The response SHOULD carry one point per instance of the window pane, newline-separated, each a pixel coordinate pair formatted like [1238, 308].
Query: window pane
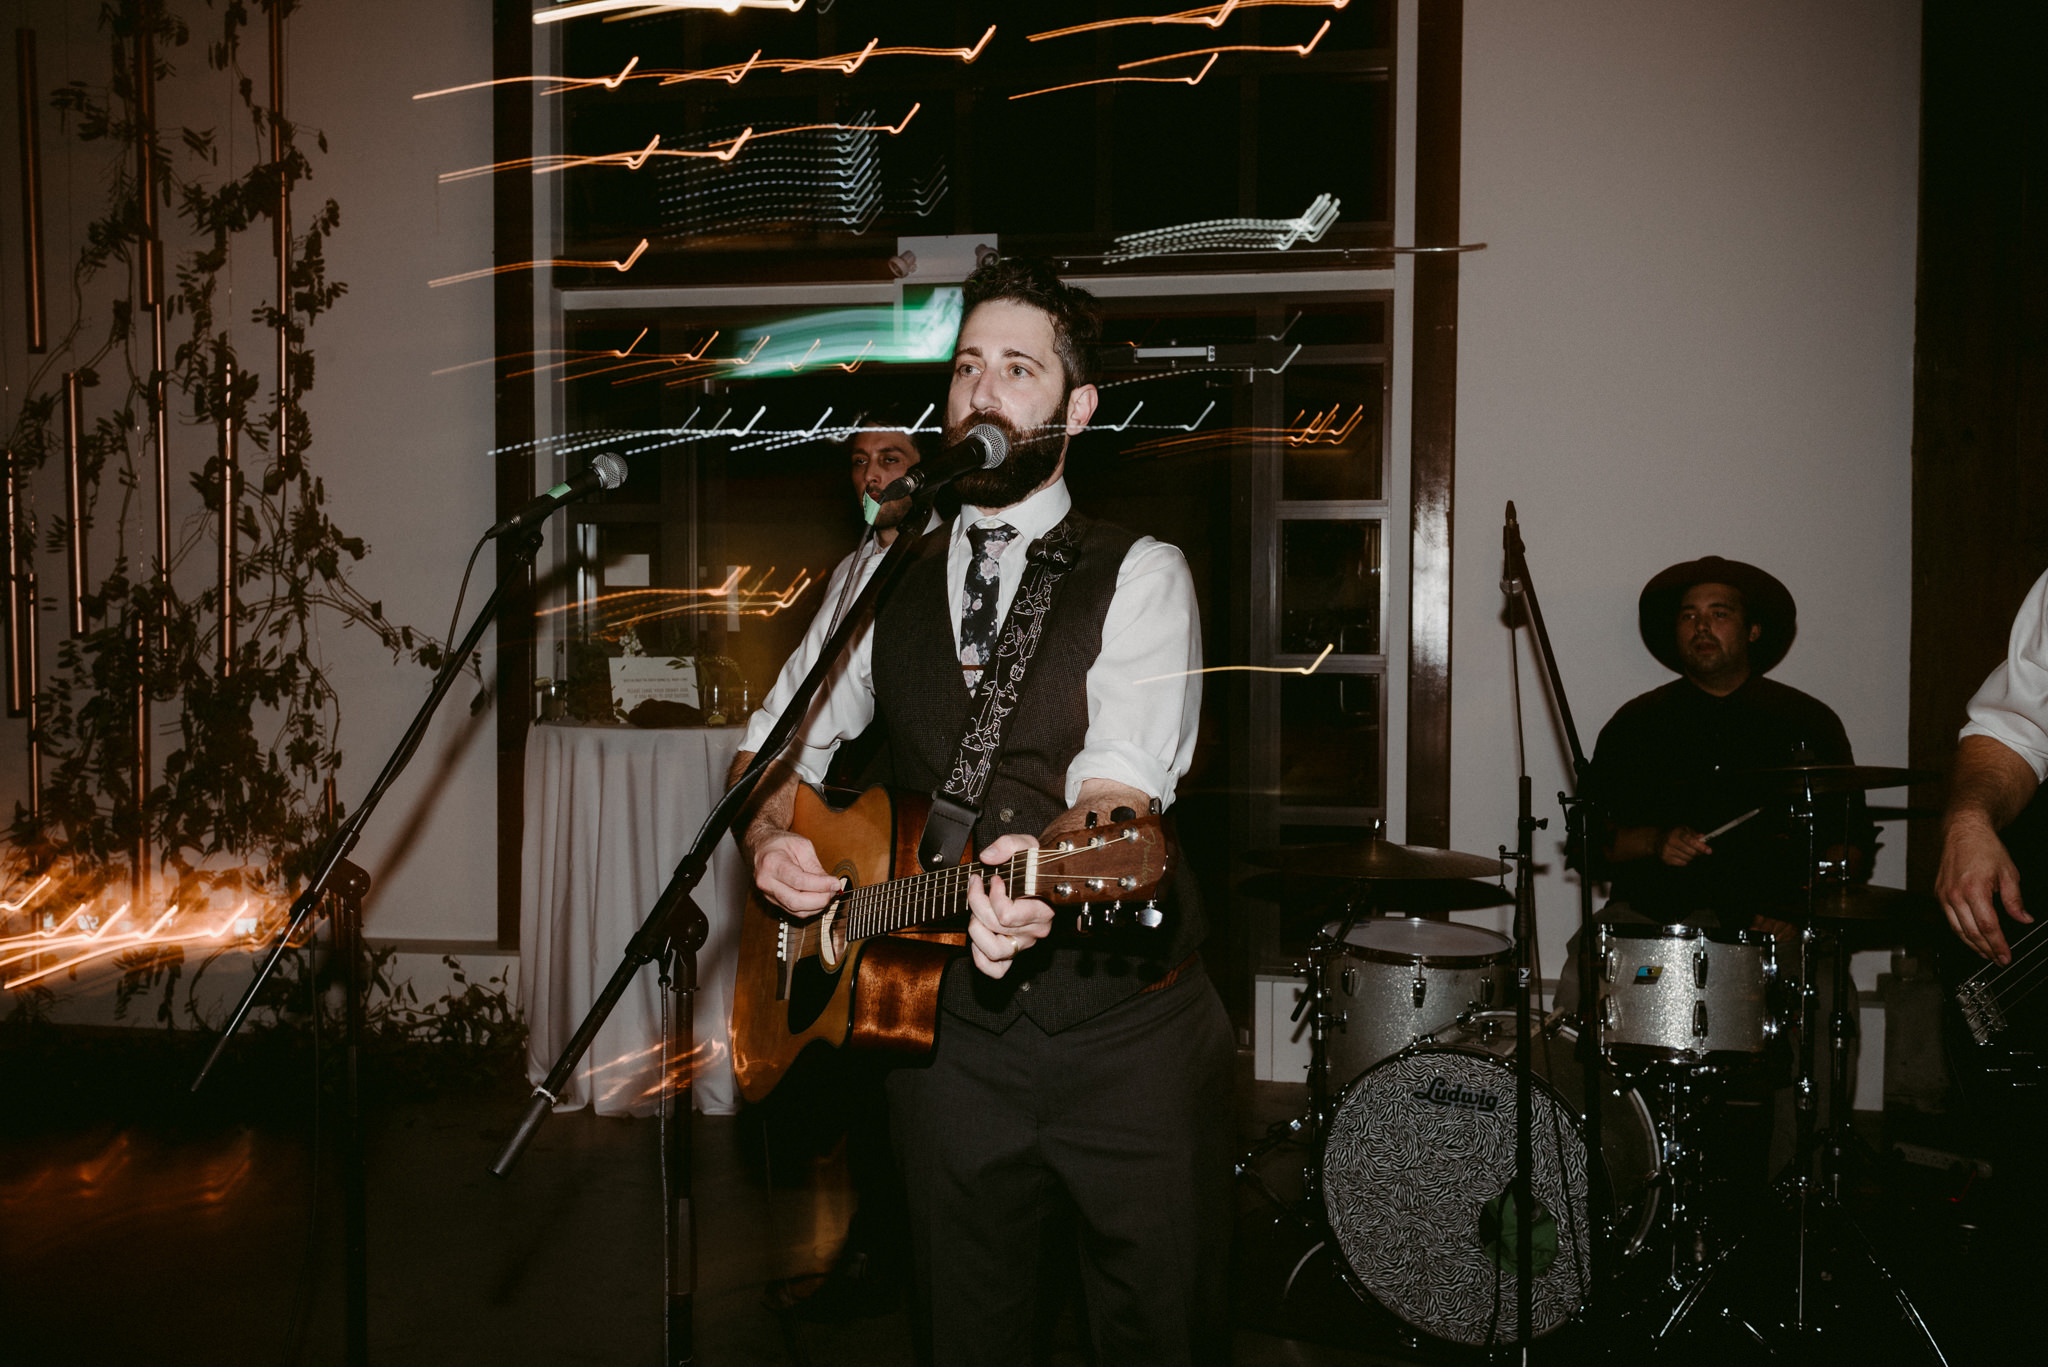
[1331, 449]
[1330, 740]
[1329, 587]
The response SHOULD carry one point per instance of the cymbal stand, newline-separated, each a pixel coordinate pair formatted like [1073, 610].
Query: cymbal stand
[1313, 1123]
[1823, 1230]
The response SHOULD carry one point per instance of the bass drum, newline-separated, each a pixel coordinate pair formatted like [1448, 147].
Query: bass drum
[1417, 1168]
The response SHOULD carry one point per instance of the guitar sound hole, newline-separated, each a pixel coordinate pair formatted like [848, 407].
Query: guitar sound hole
[810, 992]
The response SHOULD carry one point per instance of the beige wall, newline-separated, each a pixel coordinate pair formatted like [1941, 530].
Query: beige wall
[1691, 333]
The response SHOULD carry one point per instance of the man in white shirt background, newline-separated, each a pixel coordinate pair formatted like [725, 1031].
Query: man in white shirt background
[841, 1092]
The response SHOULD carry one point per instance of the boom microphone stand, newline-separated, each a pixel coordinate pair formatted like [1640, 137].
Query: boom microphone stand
[349, 885]
[676, 926]
[1580, 823]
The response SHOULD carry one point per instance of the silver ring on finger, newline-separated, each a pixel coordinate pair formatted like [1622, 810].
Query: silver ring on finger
[1015, 945]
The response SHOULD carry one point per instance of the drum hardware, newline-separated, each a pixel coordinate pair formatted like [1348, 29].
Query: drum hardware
[1824, 1236]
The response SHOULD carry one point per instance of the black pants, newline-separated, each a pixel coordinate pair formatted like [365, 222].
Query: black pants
[1128, 1115]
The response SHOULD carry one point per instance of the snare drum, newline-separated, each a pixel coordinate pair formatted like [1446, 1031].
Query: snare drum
[1394, 981]
[1680, 992]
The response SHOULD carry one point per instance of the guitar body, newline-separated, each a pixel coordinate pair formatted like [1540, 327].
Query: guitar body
[884, 993]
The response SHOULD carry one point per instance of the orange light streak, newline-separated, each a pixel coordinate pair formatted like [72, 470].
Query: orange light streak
[1209, 16]
[620, 266]
[636, 9]
[26, 897]
[1303, 670]
[1298, 49]
[1320, 430]
[103, 943]
[1195, 79]
[634, 160]
[707, 1054]
[846, 63]
[561, 83]
[625, 608]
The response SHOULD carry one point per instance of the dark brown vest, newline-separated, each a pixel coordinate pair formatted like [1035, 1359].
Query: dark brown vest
[921, 697]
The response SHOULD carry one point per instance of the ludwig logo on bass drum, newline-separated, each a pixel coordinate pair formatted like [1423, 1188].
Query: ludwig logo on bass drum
[1442, 1093]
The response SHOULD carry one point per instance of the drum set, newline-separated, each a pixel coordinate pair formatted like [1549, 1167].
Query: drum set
[1411, 1120]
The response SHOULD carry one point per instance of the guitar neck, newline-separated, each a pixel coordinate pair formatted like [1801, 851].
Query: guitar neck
[922, 898]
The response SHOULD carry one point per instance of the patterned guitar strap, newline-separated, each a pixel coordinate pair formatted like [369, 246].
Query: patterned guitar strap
[956, 806]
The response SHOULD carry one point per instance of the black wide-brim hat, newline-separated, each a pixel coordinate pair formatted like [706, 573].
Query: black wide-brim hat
[1767, 602]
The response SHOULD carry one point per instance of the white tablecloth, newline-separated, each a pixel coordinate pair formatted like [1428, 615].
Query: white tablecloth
[610, 811]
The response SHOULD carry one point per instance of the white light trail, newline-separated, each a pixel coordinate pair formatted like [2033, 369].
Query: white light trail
[1222, 234]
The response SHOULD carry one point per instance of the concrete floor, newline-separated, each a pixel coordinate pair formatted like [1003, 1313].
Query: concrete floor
[162, 1233]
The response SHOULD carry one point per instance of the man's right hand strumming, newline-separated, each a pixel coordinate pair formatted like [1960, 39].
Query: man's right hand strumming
[787, 871]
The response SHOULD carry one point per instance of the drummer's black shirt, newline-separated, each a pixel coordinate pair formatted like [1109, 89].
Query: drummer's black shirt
[1662, 762]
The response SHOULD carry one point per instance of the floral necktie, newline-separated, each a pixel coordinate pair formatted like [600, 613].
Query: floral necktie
[978, 598]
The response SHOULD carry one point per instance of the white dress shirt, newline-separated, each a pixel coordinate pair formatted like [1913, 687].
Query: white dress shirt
[1144, 689]
[2012, 706]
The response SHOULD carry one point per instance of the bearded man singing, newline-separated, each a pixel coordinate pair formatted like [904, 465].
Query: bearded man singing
[1063, 1074]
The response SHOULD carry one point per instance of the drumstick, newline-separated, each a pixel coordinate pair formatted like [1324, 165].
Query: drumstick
[1724, 829]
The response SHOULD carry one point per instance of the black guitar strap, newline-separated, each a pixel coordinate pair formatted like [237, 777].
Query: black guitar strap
[956, 806]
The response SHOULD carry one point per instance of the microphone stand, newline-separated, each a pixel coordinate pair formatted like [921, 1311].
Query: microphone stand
[350, 886]
[675, 928]
[1581, 813]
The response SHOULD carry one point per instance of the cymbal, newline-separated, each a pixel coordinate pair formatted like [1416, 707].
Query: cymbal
[1376, 858]
[1314, 895]
[1794, 779]
[1877, 813]
[1863, 902]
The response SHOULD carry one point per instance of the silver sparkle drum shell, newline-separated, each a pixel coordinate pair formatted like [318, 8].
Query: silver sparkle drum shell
[1683, 993]
[1394, 981]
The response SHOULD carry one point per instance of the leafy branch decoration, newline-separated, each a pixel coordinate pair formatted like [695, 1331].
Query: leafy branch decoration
[238, 803]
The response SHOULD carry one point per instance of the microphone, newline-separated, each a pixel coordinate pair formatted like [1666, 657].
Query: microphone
[983, 448]
[606, 471]
[1511, 551]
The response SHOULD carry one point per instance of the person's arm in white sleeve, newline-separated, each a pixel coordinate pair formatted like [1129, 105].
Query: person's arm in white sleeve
[1145, 687]
[2000, 762]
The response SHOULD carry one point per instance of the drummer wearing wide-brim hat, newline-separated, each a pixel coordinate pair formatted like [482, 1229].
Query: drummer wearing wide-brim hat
[1661, 768]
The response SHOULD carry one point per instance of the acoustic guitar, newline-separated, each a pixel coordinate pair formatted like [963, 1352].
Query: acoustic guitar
[865, 972]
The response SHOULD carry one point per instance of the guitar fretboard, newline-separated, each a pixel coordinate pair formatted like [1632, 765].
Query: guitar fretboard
[919, 899]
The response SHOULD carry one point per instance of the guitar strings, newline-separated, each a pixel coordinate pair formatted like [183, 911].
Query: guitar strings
[2027, 971]
[925, 896]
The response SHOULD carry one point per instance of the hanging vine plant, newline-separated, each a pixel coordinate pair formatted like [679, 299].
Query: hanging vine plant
[233, 672]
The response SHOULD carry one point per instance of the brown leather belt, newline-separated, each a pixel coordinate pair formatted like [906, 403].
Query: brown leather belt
[1192, 961]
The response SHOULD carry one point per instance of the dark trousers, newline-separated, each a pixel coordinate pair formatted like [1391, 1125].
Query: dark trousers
[1127, 1115]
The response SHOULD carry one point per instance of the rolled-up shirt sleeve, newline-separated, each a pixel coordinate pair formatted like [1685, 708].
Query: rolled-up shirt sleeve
[1145, 688]
[845, 703]
[2012, 706]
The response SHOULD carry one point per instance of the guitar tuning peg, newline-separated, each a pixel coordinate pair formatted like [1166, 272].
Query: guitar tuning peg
[1150, 917]
[1123, 814]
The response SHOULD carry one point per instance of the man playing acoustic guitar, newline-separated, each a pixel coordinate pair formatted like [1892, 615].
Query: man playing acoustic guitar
[1063, 1070]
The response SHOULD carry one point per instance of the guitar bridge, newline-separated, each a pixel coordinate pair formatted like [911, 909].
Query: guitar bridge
[787, 952]
[1981, 1010]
